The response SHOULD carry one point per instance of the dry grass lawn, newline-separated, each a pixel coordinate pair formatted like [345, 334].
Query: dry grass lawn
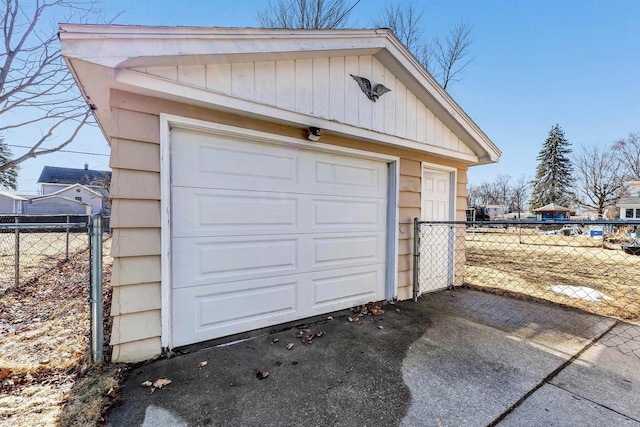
[39, 252]
[540, 266]
[44, 344]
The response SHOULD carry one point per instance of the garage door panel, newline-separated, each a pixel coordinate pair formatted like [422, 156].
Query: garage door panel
[219, 212]
[233, 307]
[201, 212]
[337, 289]
[348, 214]
[331, 251]
[231, 163]
[204, 261]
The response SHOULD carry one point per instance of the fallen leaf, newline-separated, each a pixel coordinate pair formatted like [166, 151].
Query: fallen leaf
[319, 334]
[203, 363]
[289, 346]
[146, 384]
[111, 393]
[275, 340]
[380, 327]
[350, 319]
[261, 375]
[329, 317]
[159, 383]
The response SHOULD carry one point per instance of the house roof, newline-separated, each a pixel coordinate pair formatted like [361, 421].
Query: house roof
[87, 189]
[58, 175]
[12, 196]
[107, 57]
[552, 207]
[55, 196]
[629, 201]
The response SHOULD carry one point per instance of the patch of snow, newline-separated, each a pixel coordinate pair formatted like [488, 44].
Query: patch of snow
[582, 292]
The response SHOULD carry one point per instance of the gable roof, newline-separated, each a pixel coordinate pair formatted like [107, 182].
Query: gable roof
[54, 196]
[87, 189]
[552, 207]
[12, 196]
[58, 175]
[107, 57]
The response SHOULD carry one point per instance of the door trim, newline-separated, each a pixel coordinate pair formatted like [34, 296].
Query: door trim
[170, 121]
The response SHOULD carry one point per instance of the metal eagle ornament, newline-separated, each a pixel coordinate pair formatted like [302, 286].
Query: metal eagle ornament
[372, 93]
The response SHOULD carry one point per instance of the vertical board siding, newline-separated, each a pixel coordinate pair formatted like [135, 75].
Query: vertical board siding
[285, 84]
[265, 85]
[364, 103]
[303, 88]
[401, 110]
[351, 90]
[390, 103]
[322, 87]
[377, 114]
[194, 75]
[337, 82]
[412, 116]
[219, 78]
[243, 81]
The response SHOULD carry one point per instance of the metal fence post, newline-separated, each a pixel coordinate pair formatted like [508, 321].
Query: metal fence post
[416, 258]
[66, 253]
[96, 288]
[17, 254]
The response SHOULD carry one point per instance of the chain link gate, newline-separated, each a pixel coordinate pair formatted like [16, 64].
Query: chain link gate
[592, 266]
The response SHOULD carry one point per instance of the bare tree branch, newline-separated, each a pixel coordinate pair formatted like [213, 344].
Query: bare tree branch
[306, 14]
[628, 153]
[445, 58]
[599, 184]
[451, 54]
[36, 88]
[405, 20]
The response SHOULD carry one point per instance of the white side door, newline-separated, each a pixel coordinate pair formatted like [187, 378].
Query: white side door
[436, 251]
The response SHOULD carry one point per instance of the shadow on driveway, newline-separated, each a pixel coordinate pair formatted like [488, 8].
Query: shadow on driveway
[454, 358]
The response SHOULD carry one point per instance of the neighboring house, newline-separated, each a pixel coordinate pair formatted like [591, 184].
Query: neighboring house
[53, 179]
[630, 206]
[59, 202]
[254, 182]
[552, 211]
[496, 211]
[11, 203]
[53, 204]
[84, 185]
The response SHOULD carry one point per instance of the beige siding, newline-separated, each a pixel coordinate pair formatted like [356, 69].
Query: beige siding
[409, 208]
[133, 299]
[135, 184]
[136, 351]
[136, 207]
[322, 87]
[136, 242]
[127, 154]
[147, 323]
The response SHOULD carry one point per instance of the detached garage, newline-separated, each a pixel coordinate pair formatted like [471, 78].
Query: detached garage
[257, 180]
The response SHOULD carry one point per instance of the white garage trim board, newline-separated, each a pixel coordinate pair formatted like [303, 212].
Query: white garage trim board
[269, 234]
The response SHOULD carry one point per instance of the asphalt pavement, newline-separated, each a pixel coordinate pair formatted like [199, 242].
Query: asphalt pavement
[455, 358]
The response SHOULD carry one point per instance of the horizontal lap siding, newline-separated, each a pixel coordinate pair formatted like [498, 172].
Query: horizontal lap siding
[136, 219]
[135, 193]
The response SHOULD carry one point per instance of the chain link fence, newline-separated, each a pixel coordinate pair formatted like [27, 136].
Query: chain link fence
[591, 266]
[31, 245]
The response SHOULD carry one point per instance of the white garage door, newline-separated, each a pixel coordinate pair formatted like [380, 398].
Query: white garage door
[263, 233]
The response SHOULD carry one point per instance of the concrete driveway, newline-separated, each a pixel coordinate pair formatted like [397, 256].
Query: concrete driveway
[455, 358]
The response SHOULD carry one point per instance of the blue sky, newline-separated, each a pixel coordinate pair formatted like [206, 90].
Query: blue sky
[536, 63]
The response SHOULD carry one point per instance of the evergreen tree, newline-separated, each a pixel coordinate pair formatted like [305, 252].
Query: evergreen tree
[9, 177]
[553, 180]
